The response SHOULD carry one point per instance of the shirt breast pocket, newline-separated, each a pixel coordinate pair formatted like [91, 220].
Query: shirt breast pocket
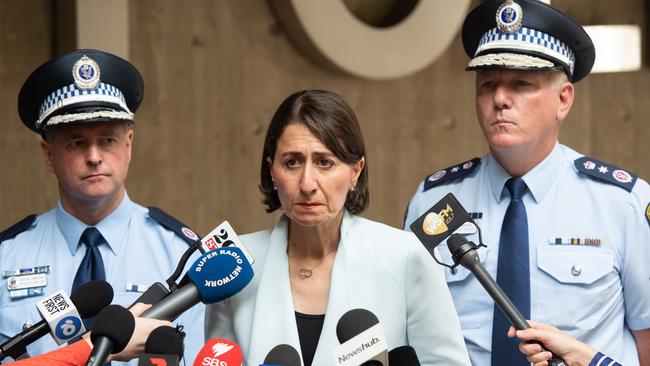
[580, 281]
[473, 305]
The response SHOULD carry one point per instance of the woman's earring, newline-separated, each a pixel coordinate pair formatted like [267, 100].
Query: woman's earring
[353, 187]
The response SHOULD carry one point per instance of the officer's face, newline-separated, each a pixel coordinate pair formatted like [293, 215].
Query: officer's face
[312, 182]
[522, 109]
[90, 161]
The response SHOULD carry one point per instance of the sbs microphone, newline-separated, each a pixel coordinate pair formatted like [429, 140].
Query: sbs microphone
[403, 356]
[113, 330]
[215, 276]
[464, 253]
[219, 352]
[164, 346]
[283, 354]
[89, 299]
[362, 340]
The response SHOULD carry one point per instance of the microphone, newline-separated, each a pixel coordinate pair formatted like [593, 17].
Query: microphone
[88, 299]
[464, 253]
[219, 352]
[215, 276]
[403, 356]
[362, 340]
[282, 355]
[164, 347]
[113, 330]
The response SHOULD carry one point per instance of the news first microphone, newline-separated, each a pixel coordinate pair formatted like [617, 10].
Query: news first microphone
[219, 352]
[464, 253]
[215, 276]
[282, 355]
[164, 347]
[112, 331]
[61, 317]
[362, 340]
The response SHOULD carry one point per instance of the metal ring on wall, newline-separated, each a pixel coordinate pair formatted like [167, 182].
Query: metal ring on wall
[329, 32]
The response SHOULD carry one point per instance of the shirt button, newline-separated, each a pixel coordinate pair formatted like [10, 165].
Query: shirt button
[453, 270]
[27, 325]
[576, 270]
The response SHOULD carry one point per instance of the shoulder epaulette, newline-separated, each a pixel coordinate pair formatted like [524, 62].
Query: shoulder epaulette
[606, 172]
[171, 224]
[458, 171]
[18, 228]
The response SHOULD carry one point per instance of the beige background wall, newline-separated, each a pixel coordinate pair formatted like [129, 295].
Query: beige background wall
[215, 71]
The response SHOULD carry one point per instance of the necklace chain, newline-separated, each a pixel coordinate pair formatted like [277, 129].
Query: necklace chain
[306, 272]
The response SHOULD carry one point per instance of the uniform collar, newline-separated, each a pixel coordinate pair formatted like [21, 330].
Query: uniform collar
[112, 227]
[539, 179]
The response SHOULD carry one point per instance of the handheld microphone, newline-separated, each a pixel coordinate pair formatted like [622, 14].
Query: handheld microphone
[464, 253]
[88, 299]
[403, 356]
[113, 330]
[164, 347]
[219, 352]
[282, 355]
[215, 276]
[362, 340]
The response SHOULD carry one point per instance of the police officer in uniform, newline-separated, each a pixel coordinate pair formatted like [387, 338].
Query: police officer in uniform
[83, 104]
[568, 236]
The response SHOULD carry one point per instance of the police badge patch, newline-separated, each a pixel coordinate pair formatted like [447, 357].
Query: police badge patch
[647, 213]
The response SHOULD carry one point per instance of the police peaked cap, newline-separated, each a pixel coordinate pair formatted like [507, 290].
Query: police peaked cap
[540, 38]
[82, 86]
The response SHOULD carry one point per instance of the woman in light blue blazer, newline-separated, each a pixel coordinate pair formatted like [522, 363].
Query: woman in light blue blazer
[322, 260]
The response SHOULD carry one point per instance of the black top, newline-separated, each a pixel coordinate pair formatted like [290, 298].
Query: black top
[309, 329]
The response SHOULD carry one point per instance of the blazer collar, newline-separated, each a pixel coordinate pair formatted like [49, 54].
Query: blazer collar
[274, 292]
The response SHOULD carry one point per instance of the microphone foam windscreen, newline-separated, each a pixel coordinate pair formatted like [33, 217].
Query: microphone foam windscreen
[283, 354]
[221, 273]
[354, 322]
[455, 241]
[403, 355]
[165, 340]
[91, 297]
[115, 323]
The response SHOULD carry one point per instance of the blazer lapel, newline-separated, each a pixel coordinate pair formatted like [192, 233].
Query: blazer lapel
[274, 320]
[340, 296]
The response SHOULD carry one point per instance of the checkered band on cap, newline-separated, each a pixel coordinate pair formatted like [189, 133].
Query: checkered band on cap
[71, 94]
[530, 40]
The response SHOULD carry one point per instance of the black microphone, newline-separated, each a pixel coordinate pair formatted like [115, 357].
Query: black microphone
[112, 331]
[89, 299]
[164, 346]
[283, 354]
[403, 356]
[362, 340]
[464, 253]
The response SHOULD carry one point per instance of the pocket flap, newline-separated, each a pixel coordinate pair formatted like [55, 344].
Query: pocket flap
[575, 264]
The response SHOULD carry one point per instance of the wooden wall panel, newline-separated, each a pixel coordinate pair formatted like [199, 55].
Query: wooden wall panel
[25, 41]
[215, 71]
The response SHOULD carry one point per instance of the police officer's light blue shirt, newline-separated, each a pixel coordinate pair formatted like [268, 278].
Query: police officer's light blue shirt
[596, 293]
[139, 252]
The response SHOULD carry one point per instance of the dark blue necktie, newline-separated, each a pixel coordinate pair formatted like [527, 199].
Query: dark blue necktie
[92, 265]
[513, 275]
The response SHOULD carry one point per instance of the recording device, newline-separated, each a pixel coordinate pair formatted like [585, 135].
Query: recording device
[88, 299]
[403, 356]
[436, 225]
[282, 354]
[215, 276]
[164, 346]
[362, 340]
[219, 352]
[112, 331]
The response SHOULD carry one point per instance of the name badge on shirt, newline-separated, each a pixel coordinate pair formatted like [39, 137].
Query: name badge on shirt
[26, 282]
[469, 228]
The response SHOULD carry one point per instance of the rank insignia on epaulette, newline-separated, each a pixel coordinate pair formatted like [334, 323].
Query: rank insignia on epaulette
[606, 172]
[594, 242]
[453, 172]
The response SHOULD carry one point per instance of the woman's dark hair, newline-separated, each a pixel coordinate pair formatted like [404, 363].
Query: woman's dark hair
[330, 119]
